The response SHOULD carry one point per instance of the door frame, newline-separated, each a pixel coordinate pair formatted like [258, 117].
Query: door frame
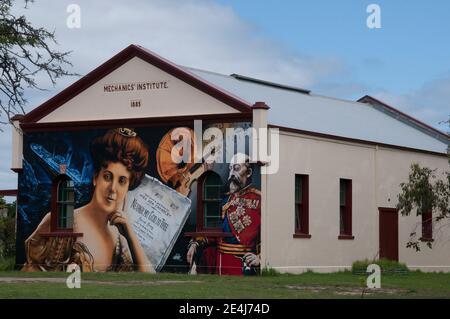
[392, 211]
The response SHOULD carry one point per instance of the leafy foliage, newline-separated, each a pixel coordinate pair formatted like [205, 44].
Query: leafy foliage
[424, 193]
[25, 52]
[7, 231]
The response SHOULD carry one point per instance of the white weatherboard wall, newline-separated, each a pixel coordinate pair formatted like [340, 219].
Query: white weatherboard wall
[178, 99]
[375, 176]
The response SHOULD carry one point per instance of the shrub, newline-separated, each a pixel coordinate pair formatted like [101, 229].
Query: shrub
[387, 266]
[7, 264]
[268, 271]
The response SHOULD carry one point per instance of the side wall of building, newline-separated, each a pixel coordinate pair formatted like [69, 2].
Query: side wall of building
[375, 173]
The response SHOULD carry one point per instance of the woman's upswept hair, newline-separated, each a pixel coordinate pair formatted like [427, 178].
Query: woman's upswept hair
[124, 146]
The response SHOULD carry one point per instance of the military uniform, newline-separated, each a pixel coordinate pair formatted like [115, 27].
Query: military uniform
[242, 217]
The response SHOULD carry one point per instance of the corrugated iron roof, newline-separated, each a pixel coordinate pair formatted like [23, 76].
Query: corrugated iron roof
[326, 115]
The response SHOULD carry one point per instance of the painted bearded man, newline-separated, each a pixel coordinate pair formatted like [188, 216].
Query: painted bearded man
[241, 214]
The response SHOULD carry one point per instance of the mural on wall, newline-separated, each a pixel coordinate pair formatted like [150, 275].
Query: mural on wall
[115, 200]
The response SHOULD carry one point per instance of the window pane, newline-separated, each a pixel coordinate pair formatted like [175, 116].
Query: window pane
[212, 187]
[212, 209]
[212, 200]
[298, 189]
[342, 220]
[60, 191]
[70, 196]
[212, 212]
[65, 200]
[62, 216]
[342, 192]
[69, 217]
[298, 217]
[427, 226]
[213, 192]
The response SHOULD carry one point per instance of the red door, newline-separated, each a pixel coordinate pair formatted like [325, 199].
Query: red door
[388, 233]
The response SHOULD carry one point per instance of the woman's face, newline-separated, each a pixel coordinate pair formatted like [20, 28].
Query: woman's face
[111, 185]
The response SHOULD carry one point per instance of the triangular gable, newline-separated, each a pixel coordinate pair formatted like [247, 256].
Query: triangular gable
[136, 83]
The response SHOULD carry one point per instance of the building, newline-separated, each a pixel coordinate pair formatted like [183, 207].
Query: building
[331, 202]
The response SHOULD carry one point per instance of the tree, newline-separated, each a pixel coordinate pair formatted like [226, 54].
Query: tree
[25, 52]
[7, 230]
[424, 192]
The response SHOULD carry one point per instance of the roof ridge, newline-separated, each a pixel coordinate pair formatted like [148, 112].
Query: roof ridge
[404, 115]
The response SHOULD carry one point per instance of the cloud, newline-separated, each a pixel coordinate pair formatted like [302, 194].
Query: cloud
[197, 33]
[205, 35]
[430, 103]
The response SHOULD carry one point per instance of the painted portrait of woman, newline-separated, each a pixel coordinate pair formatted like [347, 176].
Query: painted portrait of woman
[108, 242]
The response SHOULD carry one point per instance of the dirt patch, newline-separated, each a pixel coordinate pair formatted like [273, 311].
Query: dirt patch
[349, 291]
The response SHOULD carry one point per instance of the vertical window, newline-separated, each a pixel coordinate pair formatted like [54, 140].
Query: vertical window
[427, 226]
[65, 203]
[302, 205]
[210, 202]
[345, 209]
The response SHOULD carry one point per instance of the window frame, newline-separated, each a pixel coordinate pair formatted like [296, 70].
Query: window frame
[200, 227]
[55, 204]
[301, 223]
[427, 226]
[346, 232]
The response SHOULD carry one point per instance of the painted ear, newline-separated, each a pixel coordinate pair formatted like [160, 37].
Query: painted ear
[250, 172]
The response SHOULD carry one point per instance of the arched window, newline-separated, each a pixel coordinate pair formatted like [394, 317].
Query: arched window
[209, 205]
[63, 203]
[66, 201]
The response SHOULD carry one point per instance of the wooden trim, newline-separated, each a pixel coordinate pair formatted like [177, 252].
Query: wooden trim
[304, 223]
[208, 234]
[8, 192]
[199, 215]
[137, 122]
[388, 210]
[353, 140]
[54, 214]
[305, 195]
[347, 231]
[118, 60]
[381, 235]
[17, 117]
[427, 233]
[346, 237]
[371, 100]
[301, 235]
[54, 205]
[349, 206]
[260, 106]
[200, 227]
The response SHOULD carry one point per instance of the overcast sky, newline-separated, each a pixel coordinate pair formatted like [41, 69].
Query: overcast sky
[324, 46]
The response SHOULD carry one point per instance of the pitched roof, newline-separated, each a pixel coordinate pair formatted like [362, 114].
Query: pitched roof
[290, 107]
[315, 113]
[121, 58]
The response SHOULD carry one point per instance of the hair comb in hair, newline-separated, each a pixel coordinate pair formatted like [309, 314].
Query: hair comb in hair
[127, 132]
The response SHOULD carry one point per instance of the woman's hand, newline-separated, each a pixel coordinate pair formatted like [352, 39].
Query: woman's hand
[118, 220]
[137, 253]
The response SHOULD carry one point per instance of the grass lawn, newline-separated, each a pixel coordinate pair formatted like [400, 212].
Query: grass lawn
[137, 285]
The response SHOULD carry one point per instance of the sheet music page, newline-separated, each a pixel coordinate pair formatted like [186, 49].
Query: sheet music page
[157, 214]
